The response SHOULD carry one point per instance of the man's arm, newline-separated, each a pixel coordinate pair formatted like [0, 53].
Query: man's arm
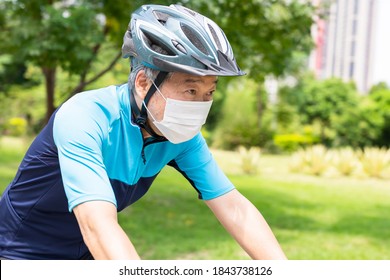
[101, 232]
[245, 223]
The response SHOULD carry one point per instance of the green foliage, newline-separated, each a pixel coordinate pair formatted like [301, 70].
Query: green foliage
[291, 142]
[13, 70]
[238, 123]
[381, 98]
[322, 99]
[268, 37]
[360, 126]
[65, 35]
[286, 117]
[16, 127]
[51, 35]
[379, 87]
[344, 117]
[26, 103]
[70, 35]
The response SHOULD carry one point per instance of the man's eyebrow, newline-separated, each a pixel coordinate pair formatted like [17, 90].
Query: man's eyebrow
[193, 80]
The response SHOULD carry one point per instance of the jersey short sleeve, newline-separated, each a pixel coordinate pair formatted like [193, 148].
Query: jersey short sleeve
[79, 131]
[197, 164]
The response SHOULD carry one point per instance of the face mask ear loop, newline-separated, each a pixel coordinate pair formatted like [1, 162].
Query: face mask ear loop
[158, 90]
[140, 116]
[150, 114]
[155, 84]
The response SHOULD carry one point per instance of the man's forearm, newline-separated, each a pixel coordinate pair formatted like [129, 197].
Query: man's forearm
[255, 236]
[245, 223]
[101, 232]
[109, 243]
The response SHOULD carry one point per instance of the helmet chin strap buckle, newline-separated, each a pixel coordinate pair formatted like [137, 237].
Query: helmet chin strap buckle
[141, 121]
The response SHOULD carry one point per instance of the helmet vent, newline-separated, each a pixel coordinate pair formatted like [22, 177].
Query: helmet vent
[192, 13]
[194, 39]
[215, 36]
[161, 17]
[152, 42]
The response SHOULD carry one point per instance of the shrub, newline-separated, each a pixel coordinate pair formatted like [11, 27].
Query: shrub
[313, 160]
[360, 126]
[249, 159]
[382, 98]
[345, 160]
[375, 161]
[292, 142]
[16, 126]
[297, 163]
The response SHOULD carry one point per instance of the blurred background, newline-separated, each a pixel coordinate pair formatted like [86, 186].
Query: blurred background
[305, 134]
[316, 69]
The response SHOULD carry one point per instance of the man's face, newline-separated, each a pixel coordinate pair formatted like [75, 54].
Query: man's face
[181, 86]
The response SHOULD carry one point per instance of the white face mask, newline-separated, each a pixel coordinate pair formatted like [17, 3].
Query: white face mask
[182, 119]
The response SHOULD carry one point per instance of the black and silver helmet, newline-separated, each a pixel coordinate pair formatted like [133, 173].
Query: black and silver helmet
[193, 43]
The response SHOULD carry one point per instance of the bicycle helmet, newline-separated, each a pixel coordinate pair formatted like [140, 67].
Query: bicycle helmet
[193, 43]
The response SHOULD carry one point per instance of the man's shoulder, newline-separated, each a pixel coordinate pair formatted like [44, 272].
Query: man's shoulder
[105, 96]
[97, 103]
[90, 112]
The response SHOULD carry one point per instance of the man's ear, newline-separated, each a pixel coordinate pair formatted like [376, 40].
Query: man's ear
[142, 84]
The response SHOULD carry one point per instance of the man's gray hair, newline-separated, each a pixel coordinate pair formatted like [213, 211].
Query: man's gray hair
[149, 72]
[136, 66]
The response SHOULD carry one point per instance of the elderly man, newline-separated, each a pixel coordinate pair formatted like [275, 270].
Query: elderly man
[102, 149]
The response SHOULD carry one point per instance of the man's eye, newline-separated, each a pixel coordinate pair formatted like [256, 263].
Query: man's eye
[191, 91]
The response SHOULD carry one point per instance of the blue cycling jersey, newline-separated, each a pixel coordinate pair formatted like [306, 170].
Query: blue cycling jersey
[91, 150]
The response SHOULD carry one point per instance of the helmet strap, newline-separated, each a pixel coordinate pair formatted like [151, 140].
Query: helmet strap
[141, 116]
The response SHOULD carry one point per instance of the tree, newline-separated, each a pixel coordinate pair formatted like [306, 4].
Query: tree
[359, 126]
[344, 117]
[381, 97]
[238, 125]
[55, 34]
[378, 87]
[266, 35]
[318, 101]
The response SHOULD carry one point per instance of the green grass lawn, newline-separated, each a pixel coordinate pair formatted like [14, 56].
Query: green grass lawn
[11, 152]
[313, 218]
